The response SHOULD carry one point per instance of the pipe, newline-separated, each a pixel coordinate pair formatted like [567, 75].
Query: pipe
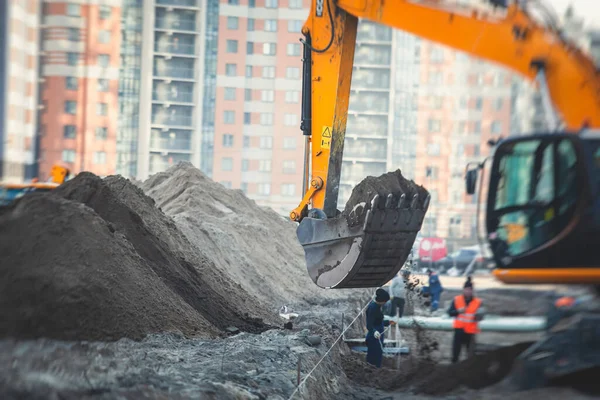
[491, 323]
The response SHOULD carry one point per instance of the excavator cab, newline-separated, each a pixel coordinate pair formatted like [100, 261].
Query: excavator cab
[543, 210]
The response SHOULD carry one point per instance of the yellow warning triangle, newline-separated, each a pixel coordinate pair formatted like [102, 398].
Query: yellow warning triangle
[326, 132]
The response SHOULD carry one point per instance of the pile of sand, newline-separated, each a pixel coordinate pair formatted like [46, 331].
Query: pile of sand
[249, 244]
[95, 260]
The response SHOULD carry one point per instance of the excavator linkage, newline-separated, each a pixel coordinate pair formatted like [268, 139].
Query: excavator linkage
[365, 249]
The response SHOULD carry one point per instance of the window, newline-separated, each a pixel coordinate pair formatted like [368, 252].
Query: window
[226, 164]
[288, 189]
[434, 125]
[71, 83]
[289, 143]
[269, 49]
[249, 47]
[248, 71]
[248, 94]
[104, 36]
[103, 85]
[233, 2]
[68, 156]
[292, 97]
[72, 58]
[496, 127]
[250, 24]
[268, 72]
[270, 25]
[101, 133]
[229, 117]
[267, 96]
[464, 102]
[292, 72]
[227, 140]
[437, 102]
[499, 79]
[251, 3]
[295, 4]
[290, 119]
[244, 187]
[478, 103]
[247, 118]
[232, 46]
[293, 49]
[232, 23]
[264, 189]
[266, 142]
[231, 69]
[73, 10]
[431, 172]
[229, 93]
[73, 34]
[295, 25]
[69, 132]
[103, 60]
[477, 127]
[436, 78]
[105, 12]
[246, 141]
[436, 54]
[498, 104]
[226, 184]
[99, 157]
[245, 165]
[264, 165]
[433, 149]
[101, 108]
[271, 3]
[71, 107]
[289, 167]
[266, 118]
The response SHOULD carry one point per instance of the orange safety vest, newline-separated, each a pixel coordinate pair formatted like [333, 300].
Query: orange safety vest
[466, 321]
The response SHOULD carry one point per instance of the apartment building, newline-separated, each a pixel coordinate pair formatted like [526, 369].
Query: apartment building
[172, 78]
[258, 145]
[79, 85]
[19, 37]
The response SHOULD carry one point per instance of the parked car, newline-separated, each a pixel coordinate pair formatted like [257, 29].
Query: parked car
[457, 262]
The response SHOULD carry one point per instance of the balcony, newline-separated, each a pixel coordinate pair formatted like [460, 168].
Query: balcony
[364, 153]
[172, 48]
[172, 120]
[174, 73]
[181, 3]
[179, 145]
[369, 32]
[175, 24]
[172, 96]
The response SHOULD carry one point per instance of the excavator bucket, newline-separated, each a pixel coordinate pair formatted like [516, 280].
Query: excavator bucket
[365, 248]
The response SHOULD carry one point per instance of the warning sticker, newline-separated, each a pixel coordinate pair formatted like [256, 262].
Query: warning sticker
[326, 137]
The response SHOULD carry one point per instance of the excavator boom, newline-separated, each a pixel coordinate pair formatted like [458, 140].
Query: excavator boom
[337, 249]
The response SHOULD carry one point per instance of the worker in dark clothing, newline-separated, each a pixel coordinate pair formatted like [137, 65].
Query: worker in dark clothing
[375, 328]
[467, 312]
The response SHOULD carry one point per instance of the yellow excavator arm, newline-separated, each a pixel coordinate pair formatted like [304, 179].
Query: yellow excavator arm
[507, 36]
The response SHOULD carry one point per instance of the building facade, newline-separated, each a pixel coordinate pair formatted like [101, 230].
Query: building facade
[19, 43]
[171, 84]
[79, 81]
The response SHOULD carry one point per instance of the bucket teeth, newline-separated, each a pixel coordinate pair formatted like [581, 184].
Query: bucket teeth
[388, 200]
[375, 202]
[413, 203]
[401, 201]
[426, 202]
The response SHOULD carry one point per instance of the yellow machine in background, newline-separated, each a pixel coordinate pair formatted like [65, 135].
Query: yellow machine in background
[11, 191]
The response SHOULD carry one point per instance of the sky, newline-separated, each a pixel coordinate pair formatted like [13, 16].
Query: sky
[588, 9]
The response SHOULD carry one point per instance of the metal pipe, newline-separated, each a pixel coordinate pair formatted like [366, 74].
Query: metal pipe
[490, 324]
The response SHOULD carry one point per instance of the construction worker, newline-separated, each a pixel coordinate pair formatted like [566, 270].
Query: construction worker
[397, 289]
[467, 312]
[435, 290]
[375, 327]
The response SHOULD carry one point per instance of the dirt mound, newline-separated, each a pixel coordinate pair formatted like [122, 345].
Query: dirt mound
[391, 182]
[249, 244]
[112, 269]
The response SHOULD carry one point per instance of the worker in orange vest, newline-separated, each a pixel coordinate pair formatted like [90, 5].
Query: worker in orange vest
[467, 312]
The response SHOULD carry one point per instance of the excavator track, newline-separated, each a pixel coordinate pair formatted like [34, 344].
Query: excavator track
[366, 248]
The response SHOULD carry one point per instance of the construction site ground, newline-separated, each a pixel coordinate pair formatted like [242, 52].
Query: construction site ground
[171, 289]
